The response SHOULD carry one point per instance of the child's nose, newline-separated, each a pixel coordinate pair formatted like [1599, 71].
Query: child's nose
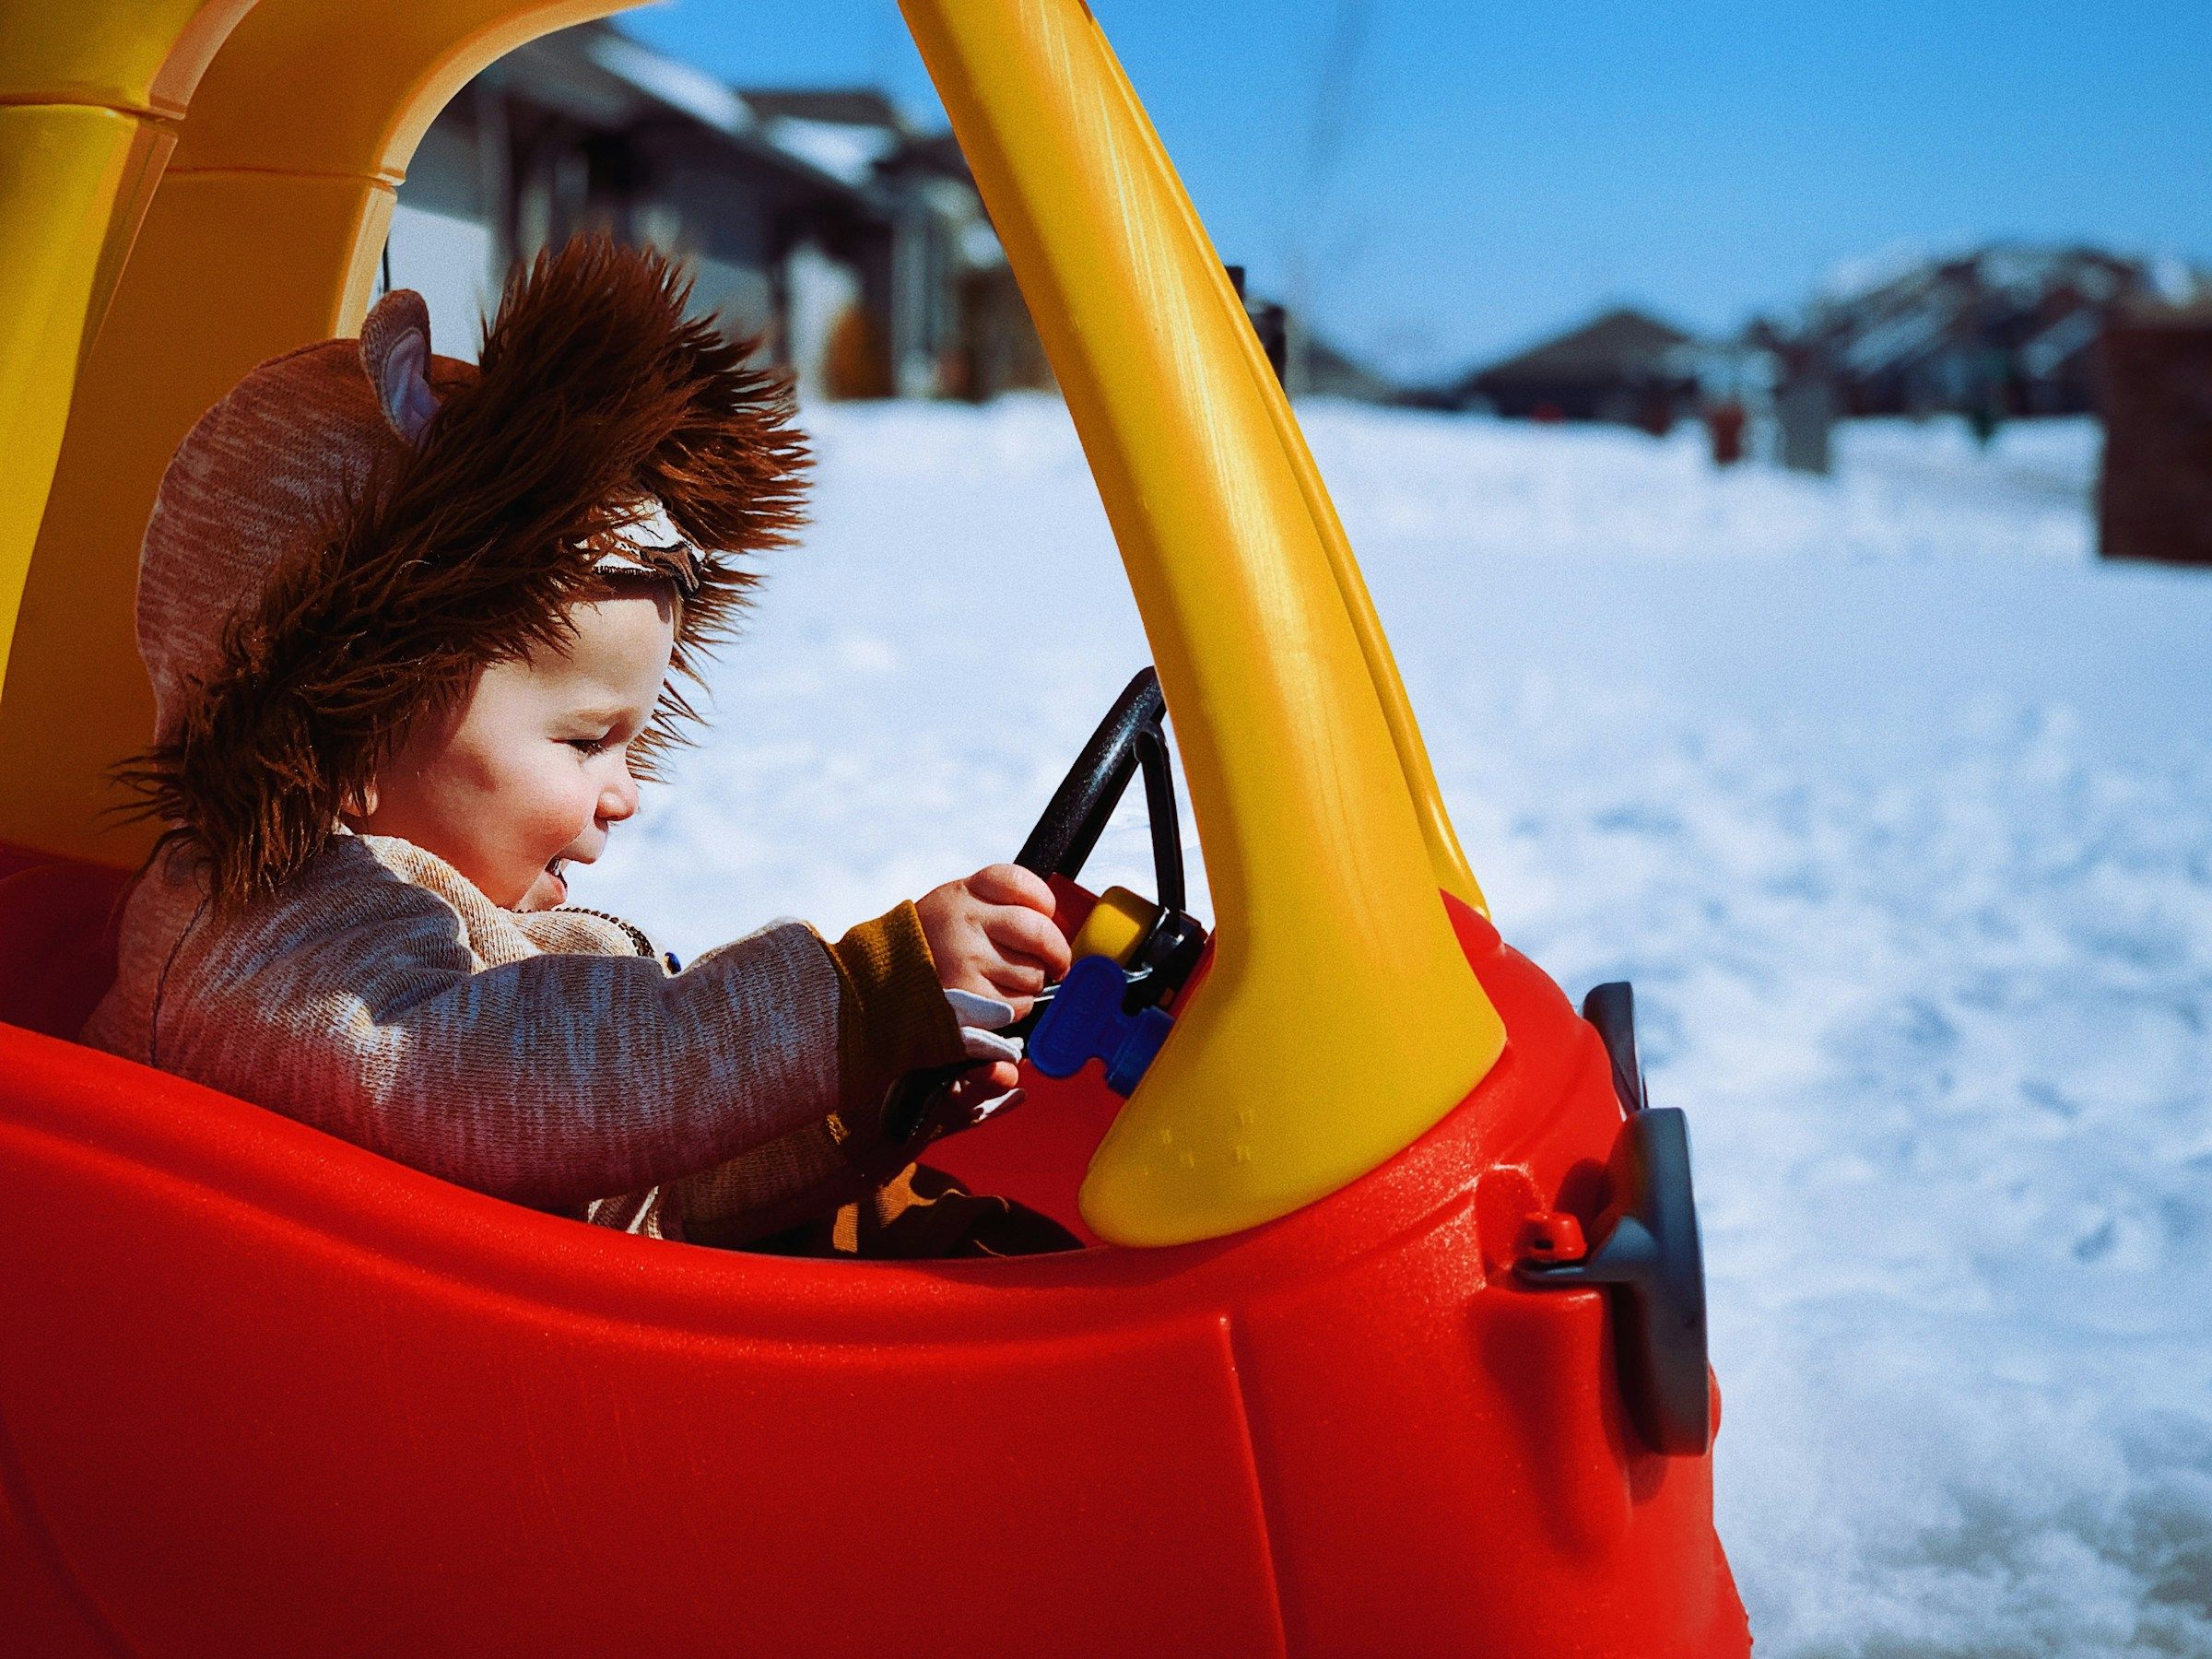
[618, 800]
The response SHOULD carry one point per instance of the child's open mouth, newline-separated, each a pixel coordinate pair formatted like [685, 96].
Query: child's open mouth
[557, 867]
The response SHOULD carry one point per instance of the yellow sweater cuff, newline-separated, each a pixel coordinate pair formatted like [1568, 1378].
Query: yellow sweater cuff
[893, 1018]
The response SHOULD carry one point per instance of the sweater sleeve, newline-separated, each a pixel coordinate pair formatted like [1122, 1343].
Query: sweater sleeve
[557, 1079]
[892, 1009]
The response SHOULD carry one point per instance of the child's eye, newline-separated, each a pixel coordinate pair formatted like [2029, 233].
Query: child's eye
[587, 746]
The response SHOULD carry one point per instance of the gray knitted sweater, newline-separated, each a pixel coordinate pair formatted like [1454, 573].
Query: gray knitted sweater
[553, 1059]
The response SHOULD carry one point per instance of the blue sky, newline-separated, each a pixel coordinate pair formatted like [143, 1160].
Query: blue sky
[1487, 172]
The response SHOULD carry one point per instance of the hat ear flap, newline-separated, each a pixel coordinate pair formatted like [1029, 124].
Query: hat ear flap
[396, 351]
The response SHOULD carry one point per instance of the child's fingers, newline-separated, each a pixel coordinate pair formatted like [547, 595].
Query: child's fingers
[973, 971]
[978, 963]
[1011, 883]
[1027, 938]
[1019, 982]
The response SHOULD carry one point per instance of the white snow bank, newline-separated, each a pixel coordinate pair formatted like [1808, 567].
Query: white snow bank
[1896, 807]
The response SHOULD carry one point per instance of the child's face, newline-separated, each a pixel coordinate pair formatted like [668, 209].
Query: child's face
[533, 767]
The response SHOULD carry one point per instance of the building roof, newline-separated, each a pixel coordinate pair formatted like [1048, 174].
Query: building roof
[605, 79]
[843, 106]
[2042, 303]
[1620, 341]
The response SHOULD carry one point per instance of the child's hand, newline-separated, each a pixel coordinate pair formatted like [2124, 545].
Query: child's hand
[993, 934]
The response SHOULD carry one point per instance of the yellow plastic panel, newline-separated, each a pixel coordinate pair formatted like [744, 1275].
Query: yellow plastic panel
[322, 102]
[73, 185]
[134, 55]
[1339, 1020]
[333, 85]
[83, 88]
[77, 696]
[1115, 927]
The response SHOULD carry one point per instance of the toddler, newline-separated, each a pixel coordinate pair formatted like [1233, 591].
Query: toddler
[411, 626]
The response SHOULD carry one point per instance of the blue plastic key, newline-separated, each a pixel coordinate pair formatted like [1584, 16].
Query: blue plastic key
[1085, 1022]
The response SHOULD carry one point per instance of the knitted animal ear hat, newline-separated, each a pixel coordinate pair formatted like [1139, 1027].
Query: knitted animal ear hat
[359, 527]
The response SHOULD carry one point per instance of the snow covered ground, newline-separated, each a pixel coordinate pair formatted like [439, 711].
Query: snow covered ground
[1894, 803]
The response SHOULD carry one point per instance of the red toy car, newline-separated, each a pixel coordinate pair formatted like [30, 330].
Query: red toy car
[1395, 1354]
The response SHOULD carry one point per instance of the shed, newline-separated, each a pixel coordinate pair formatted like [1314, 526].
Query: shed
[2154, 499]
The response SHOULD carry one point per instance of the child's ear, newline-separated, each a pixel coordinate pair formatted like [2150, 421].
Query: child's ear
[396, 350]
[358, 803]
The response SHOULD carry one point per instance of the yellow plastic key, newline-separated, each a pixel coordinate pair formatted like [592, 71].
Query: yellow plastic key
[1115, 927]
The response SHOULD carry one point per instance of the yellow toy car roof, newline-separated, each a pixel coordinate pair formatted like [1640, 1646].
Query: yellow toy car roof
[1339, 1020]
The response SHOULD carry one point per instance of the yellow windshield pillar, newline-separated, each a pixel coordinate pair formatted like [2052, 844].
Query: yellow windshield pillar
[90, 93]
[1446, 856]
[263, 234]
[1339, 1020]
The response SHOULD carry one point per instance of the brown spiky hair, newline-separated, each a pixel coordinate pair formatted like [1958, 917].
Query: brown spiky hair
[468, 548]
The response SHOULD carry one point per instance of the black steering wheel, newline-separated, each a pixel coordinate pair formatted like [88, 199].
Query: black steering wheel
[1132, 738]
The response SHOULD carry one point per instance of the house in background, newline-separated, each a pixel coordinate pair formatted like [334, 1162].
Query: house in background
[856, 246]
[1623, 365]
[2008, 329]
